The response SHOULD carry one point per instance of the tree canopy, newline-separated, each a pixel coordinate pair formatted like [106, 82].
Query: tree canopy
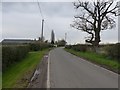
[94, 17]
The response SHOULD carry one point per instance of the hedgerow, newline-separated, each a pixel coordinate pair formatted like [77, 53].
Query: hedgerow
[12, 54]
[113, 51]
[39, 46]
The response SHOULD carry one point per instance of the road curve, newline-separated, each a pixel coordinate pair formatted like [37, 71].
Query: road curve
[69, 71]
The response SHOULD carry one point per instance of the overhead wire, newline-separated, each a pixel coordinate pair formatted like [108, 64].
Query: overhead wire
[40, 10]
[42, 15]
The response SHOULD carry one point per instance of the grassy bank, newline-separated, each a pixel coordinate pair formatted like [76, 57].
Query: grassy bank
[19, 73]
[98, 59]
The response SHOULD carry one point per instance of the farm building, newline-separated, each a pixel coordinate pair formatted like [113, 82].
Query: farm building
[17, 41]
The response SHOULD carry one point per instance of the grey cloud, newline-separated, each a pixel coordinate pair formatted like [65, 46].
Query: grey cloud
[62, 9]
[19, 7]
[23, 20]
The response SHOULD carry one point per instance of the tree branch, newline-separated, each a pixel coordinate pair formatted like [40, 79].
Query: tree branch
[84, 19]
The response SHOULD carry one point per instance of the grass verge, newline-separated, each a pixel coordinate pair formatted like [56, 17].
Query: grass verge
[0, 80]
[19, 74]
[98, 59]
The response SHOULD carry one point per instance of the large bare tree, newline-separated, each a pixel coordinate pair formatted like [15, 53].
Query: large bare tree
[94, 17]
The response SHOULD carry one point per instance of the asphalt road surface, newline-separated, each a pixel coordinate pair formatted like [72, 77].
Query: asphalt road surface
[70, 71]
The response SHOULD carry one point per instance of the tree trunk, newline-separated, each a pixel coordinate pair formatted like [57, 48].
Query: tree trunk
[97, 40]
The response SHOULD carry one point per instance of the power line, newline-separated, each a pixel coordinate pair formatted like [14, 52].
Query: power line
[46, 24]
[40, 10]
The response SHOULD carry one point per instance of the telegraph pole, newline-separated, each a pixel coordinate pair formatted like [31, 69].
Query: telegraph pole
[42, 30]
[65, 38]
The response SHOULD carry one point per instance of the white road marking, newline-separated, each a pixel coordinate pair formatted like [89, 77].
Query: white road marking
[48, 72]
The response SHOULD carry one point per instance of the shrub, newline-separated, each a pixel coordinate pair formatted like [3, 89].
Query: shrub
[12, 54]
[68, 46]
[113, 51]
[39, 46]
[61, 43]
[34, 46]
[78, 47]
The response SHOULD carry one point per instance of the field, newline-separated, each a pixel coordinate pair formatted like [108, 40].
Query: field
[19, 73]
[98, 59]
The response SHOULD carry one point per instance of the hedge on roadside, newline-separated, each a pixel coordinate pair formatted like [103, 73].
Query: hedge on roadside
[113, 51]
[39, 46]
[12, 54]
[78, 47]
[110, 50]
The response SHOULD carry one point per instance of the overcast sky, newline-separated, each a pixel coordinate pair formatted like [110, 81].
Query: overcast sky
[23, 20]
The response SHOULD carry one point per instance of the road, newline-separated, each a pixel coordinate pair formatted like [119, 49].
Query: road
[69, 71]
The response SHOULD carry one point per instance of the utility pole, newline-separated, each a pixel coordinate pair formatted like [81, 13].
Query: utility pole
[65, 38]
[42, 30]
[119, 22]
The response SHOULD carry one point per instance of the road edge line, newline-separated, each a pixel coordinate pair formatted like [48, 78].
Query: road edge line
[48, 72]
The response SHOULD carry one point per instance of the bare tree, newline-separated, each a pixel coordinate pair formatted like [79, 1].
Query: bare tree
[94, 17]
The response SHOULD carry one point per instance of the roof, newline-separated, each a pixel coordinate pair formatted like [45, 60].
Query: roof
[17, 41]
